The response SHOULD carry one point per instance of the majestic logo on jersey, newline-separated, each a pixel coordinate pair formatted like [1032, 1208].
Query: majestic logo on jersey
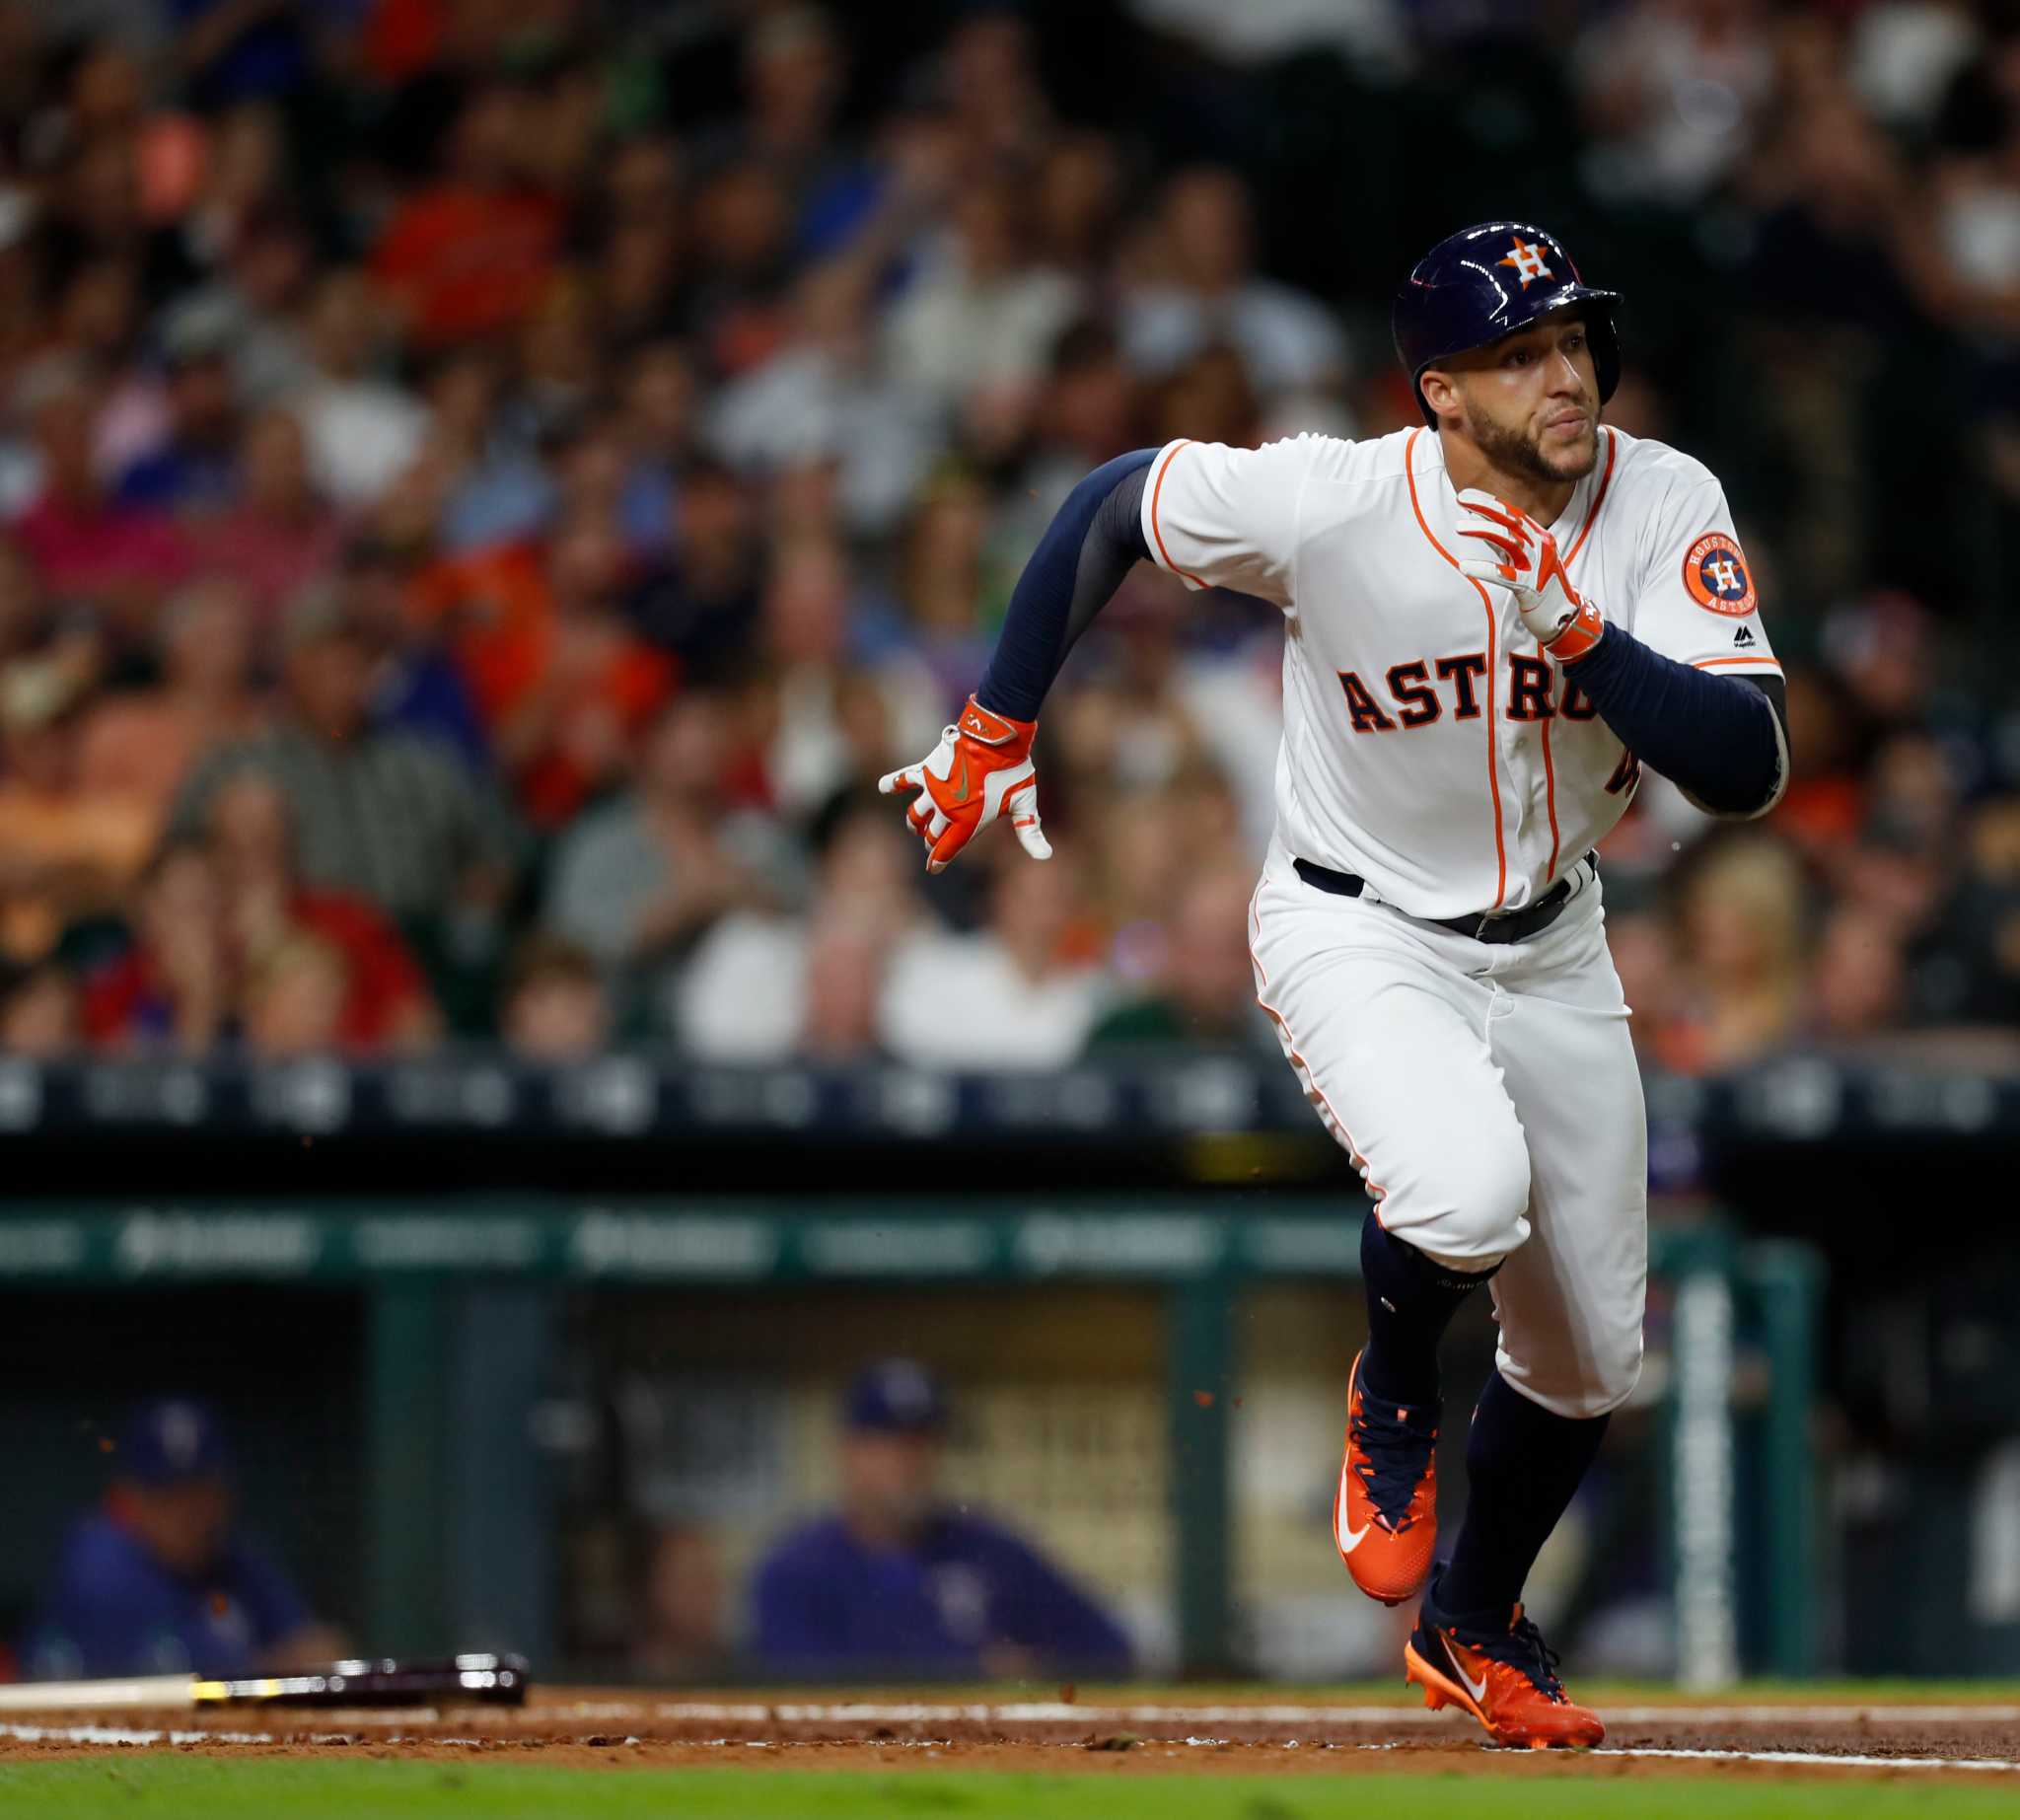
[1527, 259]
[1717, 576]
[1744, 638]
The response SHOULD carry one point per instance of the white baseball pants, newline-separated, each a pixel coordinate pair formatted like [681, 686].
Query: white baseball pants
[1489, 1095]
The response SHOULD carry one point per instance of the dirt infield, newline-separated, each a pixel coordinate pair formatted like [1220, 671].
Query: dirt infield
[609, 1728]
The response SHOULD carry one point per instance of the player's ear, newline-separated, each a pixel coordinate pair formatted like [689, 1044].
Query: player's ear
[1441, 393]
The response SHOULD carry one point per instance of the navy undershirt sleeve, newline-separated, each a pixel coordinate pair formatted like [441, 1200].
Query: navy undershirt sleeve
[1092, 542]
[1722, 740]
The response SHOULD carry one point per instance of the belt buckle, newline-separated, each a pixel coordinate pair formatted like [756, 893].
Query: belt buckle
[1486, 921]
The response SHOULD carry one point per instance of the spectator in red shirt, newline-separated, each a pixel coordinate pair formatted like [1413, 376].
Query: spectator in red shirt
[385, 1003]
[170, 988]
[83, 542]
[280, 535]
[474, 253]
[295, 1000]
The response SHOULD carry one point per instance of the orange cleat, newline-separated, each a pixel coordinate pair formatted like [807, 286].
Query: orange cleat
[1506, 1678]
[1385, 1515]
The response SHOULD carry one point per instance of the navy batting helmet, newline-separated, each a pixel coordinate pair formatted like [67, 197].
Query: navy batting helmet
[1487, 282]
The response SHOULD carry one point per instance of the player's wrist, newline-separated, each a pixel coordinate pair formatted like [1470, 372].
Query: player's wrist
[989, 728]
[1579, 636]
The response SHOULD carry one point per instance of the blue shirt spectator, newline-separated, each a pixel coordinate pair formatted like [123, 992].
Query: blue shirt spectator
[895, 1583]
[160, 1581]
[421, 691]
[195, 468]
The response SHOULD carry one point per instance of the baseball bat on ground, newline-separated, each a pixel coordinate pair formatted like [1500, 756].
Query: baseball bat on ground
[496, 1680]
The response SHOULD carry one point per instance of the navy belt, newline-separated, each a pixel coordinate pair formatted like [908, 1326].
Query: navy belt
[1505, 926]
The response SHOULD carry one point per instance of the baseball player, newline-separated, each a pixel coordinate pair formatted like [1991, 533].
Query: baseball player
[1493, 622]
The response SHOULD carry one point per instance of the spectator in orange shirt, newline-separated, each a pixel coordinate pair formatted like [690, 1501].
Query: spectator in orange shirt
[565, 685]
[65, 853]
[39, 1012]
[474, 253]
[139, 744]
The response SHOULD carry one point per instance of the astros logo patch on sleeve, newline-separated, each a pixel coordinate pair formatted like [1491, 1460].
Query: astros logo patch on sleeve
[1717, 576]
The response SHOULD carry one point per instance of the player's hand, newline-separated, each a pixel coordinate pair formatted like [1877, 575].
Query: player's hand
[981, 769]
[1518, 554]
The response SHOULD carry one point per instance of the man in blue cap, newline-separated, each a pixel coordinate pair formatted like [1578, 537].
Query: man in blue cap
[896, 1582]
[158, 1581]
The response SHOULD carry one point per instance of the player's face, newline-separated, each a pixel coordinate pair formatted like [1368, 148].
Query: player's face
[890, 1480]
[183, 1525]
[1531, 400]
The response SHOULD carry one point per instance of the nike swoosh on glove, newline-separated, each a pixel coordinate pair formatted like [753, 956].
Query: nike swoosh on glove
[981, 769]
[1518, 554]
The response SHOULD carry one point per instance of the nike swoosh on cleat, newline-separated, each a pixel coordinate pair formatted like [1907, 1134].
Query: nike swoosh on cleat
[1349, 1539]
[1478, 1692]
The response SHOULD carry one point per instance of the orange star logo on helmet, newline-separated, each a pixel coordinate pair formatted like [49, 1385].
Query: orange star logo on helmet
[1527, 259]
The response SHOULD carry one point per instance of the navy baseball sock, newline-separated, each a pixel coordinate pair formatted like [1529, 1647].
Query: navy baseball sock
[1411, 1299]
[1522, 1466]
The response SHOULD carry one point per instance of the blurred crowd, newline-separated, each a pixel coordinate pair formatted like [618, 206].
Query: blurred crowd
[487, 486]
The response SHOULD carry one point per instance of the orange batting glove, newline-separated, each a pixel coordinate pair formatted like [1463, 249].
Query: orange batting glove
[981, 769]
[1518, 554]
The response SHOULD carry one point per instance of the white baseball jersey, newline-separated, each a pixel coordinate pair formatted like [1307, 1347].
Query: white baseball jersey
[1429, 746]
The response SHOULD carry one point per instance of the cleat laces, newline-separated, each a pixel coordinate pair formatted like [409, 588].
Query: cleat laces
[1392, 1462]
[1522, 1647]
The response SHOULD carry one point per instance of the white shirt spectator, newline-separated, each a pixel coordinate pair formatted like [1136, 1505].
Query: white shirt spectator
[741, 996]
[1237, 703]
[960, 1001]
[1676, 102]
[979, 316]
[1373, 32]
[805, 406]
[608, 872]
[1207, 290]
[810, 757]
[1287, 341]
[1905, 54]
[363, 435]
[1979, 226]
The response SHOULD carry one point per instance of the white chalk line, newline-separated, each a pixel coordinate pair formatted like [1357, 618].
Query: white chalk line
[1040, 1712]
[121, 1734]
[1817, 1758]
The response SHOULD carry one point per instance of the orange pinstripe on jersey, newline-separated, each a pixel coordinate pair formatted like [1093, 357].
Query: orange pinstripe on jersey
[1592, 518]
[1493, 724]
[1550, 803]
[1729, 663]
[1549, 769]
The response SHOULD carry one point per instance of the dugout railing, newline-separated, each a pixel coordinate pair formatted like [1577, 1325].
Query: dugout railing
[460, 1299]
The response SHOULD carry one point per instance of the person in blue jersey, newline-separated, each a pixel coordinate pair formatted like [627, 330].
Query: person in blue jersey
[159, 1579]
[895, 1582]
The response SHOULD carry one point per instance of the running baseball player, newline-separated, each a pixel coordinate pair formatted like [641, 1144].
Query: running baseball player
[1492, 624]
